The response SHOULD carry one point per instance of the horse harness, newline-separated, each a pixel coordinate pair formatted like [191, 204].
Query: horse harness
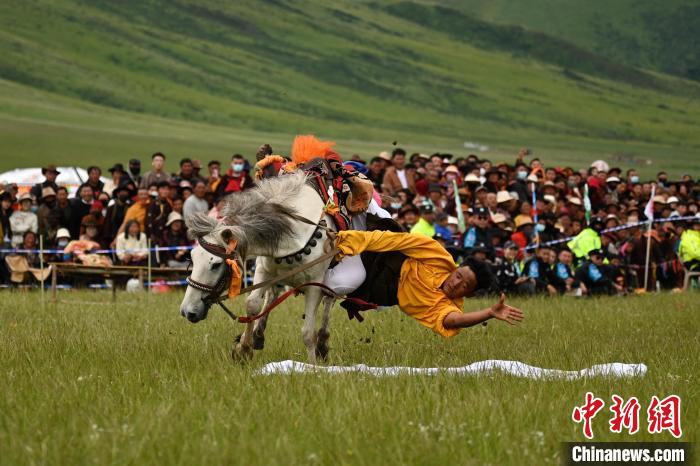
[215, 294]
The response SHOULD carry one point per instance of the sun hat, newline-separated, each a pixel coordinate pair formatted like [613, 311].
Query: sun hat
[173, 217]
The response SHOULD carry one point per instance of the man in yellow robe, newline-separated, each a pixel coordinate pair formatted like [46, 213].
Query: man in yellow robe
[430, 286]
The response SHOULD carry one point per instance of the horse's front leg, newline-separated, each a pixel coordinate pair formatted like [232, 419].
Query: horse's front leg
[244, 348]
[323, 332]
[261, 323]
[308, 331]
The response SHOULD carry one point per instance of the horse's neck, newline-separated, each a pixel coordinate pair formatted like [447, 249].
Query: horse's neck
[307, 204]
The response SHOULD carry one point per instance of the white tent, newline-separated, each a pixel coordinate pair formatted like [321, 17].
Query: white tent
[71, 177]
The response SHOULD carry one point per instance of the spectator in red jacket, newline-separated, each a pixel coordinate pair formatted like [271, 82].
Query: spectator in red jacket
[236, 178]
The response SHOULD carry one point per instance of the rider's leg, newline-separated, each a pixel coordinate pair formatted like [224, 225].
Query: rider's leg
[347, 276]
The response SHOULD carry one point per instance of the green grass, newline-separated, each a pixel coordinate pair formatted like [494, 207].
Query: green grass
[134, 383]
[95, 83]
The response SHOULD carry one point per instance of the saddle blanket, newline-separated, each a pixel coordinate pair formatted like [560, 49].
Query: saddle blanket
[515, 368]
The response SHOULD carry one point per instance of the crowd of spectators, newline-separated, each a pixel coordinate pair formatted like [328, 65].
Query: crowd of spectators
[513, 215]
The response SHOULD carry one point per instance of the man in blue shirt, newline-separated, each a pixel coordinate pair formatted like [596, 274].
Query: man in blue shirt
[537, 269]
[593, 275]
[562, 277]
[478, 233]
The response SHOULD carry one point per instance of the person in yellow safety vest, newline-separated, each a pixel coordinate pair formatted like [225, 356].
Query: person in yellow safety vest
[689, 247]
[426, 223]
[587, 240]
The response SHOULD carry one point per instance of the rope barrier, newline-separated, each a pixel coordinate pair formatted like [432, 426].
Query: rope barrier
[613, 229]
[188, 248]
[97, 251]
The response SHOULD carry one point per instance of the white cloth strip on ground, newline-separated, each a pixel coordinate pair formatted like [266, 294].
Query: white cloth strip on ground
[515, 368]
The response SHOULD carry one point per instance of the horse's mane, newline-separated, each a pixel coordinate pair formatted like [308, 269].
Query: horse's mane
[260, 215]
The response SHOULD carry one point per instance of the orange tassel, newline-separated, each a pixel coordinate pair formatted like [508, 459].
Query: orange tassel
[234, 288]
[307, 147]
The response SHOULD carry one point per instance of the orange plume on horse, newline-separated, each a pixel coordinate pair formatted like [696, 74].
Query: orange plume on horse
[307, 146]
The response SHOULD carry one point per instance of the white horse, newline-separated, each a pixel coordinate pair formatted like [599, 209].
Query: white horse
[265, 222]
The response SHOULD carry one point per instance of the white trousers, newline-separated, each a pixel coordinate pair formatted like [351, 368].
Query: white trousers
[349, 274]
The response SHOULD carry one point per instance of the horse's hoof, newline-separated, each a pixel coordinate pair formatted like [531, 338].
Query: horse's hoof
[258, 341]
[242, 353]
[322, 352]
[322, 348]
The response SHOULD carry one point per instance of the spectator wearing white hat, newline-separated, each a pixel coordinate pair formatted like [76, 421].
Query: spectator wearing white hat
[59, 243]
[43, 213]
[175, 236]
[506, 203]
[673, 203]
[23, 220]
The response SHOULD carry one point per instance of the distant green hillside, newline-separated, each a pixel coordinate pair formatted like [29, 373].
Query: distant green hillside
[660, 35]
[107, 79]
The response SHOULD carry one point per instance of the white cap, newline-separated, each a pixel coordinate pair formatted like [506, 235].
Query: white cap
[503, 196]
[612, 179]
[62, 233]
[173, 217]
[549, 198]
[498, 218]
[671, 200]
[601, 165]
[574, 200]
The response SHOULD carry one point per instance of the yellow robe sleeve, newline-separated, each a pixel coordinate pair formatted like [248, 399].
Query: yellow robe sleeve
[427, 250]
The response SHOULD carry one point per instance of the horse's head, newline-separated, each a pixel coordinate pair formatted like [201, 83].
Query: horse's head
[210, 276]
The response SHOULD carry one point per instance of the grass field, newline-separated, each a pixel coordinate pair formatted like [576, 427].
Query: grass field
[134, 383]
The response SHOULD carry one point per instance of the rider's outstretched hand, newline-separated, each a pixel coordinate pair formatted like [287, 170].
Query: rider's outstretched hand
[501, 311]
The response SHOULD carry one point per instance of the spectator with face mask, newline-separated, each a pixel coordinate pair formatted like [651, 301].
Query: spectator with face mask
[134, 171]
[519, 184]
[236, 178]
[60, 242]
